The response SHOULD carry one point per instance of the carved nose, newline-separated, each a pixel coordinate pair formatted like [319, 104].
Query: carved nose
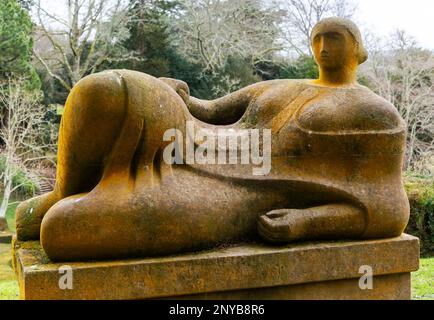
[323, 46]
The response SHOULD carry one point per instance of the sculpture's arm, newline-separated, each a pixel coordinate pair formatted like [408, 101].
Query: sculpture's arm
[332, 221]
[224, 110]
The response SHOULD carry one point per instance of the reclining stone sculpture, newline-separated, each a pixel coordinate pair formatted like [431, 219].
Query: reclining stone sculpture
[335, 169]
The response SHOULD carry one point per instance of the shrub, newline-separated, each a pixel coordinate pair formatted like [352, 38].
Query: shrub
[420, 191]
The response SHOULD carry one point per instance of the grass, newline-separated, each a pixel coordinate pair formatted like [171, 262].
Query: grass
[8, 283]
[9, 290]
[10, 215]
[423, 280]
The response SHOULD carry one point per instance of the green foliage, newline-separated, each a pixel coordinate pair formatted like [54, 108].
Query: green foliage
[420, 191]
[10, 215]
[148, 38]
[191, 73]
[54, 92]
[157, 57]
[27, 185]
[303, 67]
[16, 43]
[236, 74]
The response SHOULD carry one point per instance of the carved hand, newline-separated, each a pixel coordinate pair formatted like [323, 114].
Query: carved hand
[179, 86]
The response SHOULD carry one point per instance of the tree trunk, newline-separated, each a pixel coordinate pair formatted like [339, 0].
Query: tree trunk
[4, 206]
[3, 225]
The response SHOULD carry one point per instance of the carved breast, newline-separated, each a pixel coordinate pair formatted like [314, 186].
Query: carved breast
[346, 111]
[328, 122]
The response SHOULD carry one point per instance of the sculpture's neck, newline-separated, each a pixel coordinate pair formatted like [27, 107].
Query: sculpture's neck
[338, 78]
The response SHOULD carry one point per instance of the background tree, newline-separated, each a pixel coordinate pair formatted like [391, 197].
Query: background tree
[303, 67]
[302, 15]
[16, 43]
[222, 35]
[404, 75]
[26, 4]
[27, 136]
[211, 31]
[73, 46]
[148, 37]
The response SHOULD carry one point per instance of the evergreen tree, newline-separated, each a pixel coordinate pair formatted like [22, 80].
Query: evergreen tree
[16, 43]
[304, 67]
[148, 38]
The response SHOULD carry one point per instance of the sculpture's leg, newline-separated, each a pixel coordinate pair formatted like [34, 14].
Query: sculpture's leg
[93, 117]
[332, 221]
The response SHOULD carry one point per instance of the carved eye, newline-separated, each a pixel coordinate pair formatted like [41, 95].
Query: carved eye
[333, 36]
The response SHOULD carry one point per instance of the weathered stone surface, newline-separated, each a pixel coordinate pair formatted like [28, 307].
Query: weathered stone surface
[388, 287]
[320, 270]
[335, 162]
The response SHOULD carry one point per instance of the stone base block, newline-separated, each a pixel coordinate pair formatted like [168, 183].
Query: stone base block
[316, 270]
[6, 237]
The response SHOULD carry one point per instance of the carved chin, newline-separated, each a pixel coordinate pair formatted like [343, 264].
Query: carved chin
[328, 64]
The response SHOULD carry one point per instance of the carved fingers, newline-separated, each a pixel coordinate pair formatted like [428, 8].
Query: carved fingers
[179, 86]
[280, 226]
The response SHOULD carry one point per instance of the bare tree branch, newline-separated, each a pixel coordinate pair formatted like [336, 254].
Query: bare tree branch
[91, 34]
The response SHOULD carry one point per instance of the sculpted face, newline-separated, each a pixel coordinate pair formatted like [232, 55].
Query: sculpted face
[334, 48]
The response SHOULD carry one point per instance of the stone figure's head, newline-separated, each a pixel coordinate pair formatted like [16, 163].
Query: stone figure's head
[337, 44]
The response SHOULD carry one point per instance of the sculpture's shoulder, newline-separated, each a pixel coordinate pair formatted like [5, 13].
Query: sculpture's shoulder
[275, 88]
[270, 96]
[269, 99]
[349, 110]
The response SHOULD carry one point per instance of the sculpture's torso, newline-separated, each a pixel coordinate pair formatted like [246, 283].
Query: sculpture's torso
[336, 154]
[328, 144]
[330, 147]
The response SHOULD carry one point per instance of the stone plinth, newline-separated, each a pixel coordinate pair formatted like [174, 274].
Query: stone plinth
[325, 270]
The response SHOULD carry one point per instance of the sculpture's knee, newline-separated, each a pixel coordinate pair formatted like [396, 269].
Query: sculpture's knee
[60, 232]
[26, 221]
[100, 95]
[399, 218]
[93, 118]
[29, 214]
[75, 229]
[388, 218]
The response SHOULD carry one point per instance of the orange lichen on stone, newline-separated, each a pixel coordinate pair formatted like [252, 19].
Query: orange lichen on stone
[335, 163]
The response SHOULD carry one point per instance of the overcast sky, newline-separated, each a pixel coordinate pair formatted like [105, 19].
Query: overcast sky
[384, 16]
[380, 16]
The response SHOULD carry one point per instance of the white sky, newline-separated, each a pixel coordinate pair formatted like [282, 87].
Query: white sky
[380, 16]
[384, 16]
